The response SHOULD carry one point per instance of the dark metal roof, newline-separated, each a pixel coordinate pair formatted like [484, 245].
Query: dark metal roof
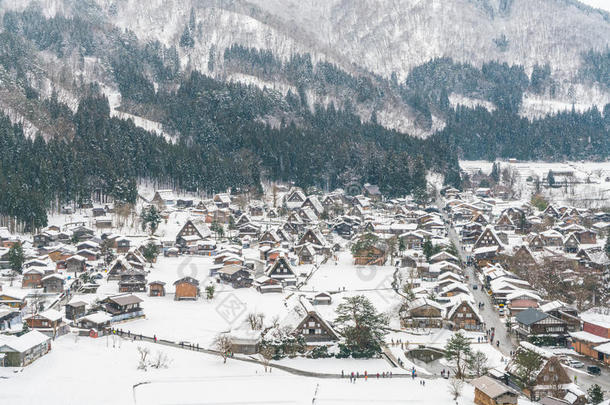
[530, 316]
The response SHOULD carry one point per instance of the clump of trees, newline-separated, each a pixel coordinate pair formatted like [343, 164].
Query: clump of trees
[459, 353]
[151, 218]
[362, 327]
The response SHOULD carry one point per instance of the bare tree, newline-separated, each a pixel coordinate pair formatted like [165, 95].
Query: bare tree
[267, 353]
[160, 361]
[222, 343]
[143, 352]
[256, 321]
[478, 363]
[455, 388]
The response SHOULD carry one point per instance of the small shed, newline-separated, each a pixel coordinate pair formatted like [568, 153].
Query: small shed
[187, 288]
[488, 391]
[156, 289]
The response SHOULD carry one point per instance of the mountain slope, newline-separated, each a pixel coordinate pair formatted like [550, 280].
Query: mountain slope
[364, 37]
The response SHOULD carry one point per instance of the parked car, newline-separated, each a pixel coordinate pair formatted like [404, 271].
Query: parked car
[594, 370]
[575, 363]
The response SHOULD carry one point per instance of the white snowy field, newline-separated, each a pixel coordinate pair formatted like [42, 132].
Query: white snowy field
[587, 183]
[92, 371]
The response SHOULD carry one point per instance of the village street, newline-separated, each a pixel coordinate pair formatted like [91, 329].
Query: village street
[488, 313]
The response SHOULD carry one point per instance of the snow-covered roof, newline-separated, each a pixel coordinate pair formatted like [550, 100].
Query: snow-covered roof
[598, 316]
[96, 317]
[22, 343]
[588, 337]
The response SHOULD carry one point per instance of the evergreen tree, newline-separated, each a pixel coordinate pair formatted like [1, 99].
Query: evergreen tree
[528, 363]
[458, 351]
[361, 325]
[186, 39]
[150, 252]
[428, 249]
[550, 178]
[151, 218]
[595, 394]
[16, 257]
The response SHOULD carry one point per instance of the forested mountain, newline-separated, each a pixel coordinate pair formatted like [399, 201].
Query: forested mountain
[224, 93]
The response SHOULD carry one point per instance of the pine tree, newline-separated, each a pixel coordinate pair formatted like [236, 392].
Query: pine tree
[595, 394]
[361, 325]
[550, 178]
[16, 257]
[458, 351]
[150, 252]
[186, 39]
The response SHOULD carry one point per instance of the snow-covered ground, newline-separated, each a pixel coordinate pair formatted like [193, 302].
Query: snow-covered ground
[104, 370]
[588, 183]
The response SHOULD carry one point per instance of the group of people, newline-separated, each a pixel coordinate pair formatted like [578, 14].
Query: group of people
[399, 342]
[354, 376]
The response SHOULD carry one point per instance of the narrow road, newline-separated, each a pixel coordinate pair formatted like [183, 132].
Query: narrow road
[490, 316]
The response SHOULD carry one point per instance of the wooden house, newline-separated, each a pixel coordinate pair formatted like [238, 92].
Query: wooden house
[163, 199]
[132, 281]
[222, 200]
[193, 231]
[14, 297]
[314, 328]
[249, 229]
[187, 288]
[488, 391]
[532, 322]
[315, 238]
[76, 264]
[464, 315]
[421, 313]
[586, 237]
[313, 203]
[550, 378]
[374, 255]
[156, 289]
[322, 298]
[487, 239]
[25, 349]
[505, 223]
[264, 284]
[122, 307]
[32, 278]
[412, 240]
[123, 245]
[236, 275]
[281, 270]
[294, 199]
[53, 283]
[49, 319]
[306, 254]
[98, 321]
[75, 309]
[270, 237]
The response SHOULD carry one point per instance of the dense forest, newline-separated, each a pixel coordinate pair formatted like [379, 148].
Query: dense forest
[223, 147]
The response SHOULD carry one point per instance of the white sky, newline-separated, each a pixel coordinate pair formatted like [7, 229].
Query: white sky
[603, 4]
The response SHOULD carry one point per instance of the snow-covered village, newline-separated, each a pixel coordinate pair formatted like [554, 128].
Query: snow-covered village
[306, 296]
[320, 202]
